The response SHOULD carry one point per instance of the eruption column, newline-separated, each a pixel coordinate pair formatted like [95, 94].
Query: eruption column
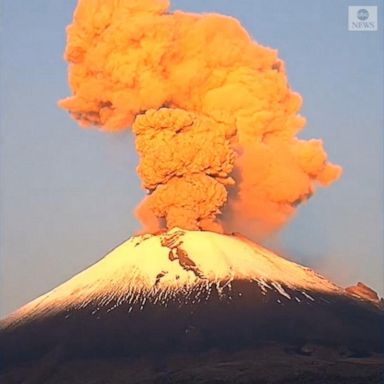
[215, 121]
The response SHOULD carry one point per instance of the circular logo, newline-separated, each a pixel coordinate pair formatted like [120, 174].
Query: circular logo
[362, 14]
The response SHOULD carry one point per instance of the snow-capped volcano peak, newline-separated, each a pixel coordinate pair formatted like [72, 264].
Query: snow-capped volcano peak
[157, 268]
[183, 290]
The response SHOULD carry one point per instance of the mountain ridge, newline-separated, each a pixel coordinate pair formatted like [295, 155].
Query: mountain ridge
[189, 292]
[176, 264]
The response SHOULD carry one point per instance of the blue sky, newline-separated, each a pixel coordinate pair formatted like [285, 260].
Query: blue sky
[67, 194]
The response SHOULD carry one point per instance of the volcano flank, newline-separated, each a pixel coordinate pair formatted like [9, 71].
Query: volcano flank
[188, 292]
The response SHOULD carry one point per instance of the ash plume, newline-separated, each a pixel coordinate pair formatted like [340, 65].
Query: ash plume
[212, 111]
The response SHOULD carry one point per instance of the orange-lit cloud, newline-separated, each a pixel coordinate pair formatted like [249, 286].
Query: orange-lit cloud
[214, 118]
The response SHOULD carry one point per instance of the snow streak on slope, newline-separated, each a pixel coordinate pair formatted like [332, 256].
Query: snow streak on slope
[176, 264]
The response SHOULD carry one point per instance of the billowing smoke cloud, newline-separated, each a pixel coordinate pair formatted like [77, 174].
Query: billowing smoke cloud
[214, 118]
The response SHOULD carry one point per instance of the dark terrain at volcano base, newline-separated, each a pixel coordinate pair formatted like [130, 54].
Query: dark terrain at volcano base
[271, 364]
[341, 336]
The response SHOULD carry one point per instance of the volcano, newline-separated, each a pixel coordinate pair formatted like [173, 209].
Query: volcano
[190, 292]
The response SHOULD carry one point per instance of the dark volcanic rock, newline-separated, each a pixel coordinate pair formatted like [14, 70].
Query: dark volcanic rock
[267, 364]
[244, 318]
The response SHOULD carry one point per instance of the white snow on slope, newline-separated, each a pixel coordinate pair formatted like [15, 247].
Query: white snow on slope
[157, 267]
